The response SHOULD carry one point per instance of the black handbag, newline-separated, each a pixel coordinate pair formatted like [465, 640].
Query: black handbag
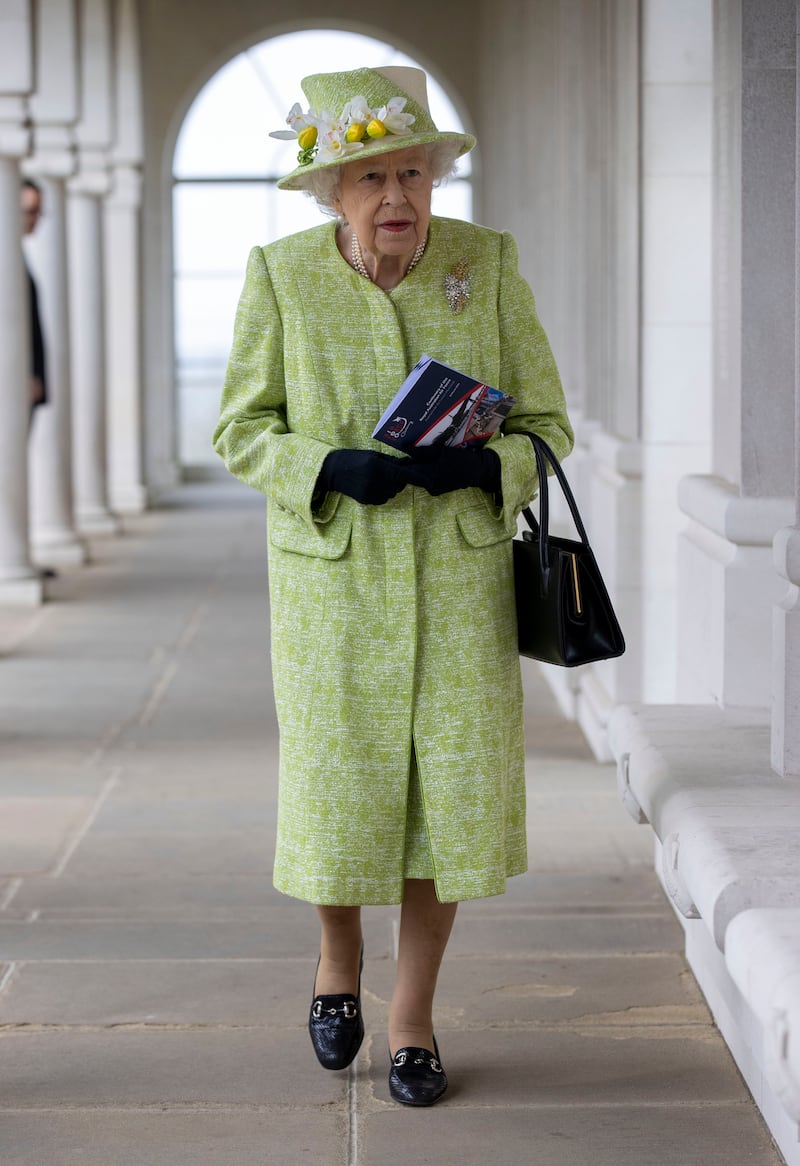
[564, 614]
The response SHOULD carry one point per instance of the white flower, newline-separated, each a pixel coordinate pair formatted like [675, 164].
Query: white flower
[394, 119]
[298, 121]
[332, 144]
[323, 137]
[356, 110]
[333, 147]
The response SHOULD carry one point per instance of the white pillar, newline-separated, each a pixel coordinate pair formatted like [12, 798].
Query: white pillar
[123, 266]
[94, 135]
[53, 534]
[126, 487]
[785, 737]
[676, 309]
[19, 581]
[54, 109]
[84, 232]
[727, 583]
[606, 468]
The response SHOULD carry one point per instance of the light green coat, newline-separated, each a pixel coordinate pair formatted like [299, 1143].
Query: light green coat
[393, 627]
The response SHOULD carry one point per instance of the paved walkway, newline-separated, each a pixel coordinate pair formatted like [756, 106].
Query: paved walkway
[154, 987]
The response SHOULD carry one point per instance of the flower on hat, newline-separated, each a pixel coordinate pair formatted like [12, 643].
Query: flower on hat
[333, 142]
[322, 137]
[393, 118]
[304, 129]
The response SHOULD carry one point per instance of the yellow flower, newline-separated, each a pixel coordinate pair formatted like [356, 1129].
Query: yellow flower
[307, 137]
[376, 129]
[355, 132]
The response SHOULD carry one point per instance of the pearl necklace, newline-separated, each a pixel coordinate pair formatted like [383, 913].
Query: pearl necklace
[358, 259]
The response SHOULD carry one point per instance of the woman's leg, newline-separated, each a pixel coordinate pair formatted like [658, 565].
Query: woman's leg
[425, 926]
[340, 950]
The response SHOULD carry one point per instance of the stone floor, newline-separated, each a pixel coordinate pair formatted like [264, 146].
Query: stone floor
[154, 987]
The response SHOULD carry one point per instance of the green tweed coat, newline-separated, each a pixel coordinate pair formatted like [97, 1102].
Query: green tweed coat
[393, 627]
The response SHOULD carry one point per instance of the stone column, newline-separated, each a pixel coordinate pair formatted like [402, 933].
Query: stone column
[94, 135]
[785, 738]
[54, 108]
[19, 580]
[612, 452]
[123, 285]
[676, 309]
[727, 582]
[84, 219]
[53, 535]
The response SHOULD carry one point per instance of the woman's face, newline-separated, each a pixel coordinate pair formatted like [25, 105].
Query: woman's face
[387, 201]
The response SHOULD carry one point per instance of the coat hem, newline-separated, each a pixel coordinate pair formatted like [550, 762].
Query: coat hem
[375, 899]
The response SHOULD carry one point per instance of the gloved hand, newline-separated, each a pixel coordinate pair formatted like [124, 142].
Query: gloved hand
[440, 469]
[369, 477]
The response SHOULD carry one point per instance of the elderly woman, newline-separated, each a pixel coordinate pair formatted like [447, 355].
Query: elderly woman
[394, 652]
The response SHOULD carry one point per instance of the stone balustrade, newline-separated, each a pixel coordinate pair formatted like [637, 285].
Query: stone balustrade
[727, 855]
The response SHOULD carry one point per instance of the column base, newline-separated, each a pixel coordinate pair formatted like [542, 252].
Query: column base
[56, 550]
[28, 592]
[726, 579]
[96, 523]
[129, 500]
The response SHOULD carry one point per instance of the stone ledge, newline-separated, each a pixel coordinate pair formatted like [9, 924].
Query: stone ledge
[701, 777]
[718, 505]
[763, 958]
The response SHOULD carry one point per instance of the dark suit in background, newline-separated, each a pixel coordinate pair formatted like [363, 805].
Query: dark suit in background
[38, 366]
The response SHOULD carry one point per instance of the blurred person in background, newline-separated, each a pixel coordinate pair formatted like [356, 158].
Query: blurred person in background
[31, 197]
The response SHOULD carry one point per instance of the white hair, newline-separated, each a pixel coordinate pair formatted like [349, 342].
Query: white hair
[323, 185]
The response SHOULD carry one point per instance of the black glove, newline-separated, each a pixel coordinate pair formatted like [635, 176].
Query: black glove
[369, 477]
[439, 469]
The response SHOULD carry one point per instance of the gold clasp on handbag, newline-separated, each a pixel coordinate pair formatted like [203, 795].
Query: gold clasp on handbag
[575, 584]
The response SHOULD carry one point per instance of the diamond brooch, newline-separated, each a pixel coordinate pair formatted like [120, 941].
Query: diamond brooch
[456, 286]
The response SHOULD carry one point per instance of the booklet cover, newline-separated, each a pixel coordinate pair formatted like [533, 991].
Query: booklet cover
[438, 405]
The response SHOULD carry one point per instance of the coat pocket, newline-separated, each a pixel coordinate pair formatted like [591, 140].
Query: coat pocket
[480, 528]
[327, 540]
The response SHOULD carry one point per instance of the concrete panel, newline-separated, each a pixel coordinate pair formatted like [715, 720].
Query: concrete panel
[769, 29]
[531, 992]
[623, 1135]
[677, 129]
[198, 1137]
[37, 831]
[146, 896]
[100, 857]
[160, 992]
[132, 1067]
[281, 934]
[567, 934]
[768, 274]
[676, 45]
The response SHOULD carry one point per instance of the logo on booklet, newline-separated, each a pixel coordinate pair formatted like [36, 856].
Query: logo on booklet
[397, 427]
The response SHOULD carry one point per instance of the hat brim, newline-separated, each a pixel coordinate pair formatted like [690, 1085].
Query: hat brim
[298, 179]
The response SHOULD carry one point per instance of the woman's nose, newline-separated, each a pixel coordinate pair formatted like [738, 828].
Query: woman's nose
[393, 192]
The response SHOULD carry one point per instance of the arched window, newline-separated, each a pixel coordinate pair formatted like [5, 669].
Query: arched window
[225, 199]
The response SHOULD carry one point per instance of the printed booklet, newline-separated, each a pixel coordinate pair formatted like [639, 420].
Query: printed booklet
[438, 405]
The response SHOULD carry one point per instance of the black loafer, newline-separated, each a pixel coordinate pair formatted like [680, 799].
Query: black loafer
[336, 1027]
[417, 1077]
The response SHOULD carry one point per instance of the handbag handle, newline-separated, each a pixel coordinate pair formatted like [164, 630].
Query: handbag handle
[544, 454]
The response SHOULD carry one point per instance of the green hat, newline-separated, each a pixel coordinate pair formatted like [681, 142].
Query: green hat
[359, 114]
